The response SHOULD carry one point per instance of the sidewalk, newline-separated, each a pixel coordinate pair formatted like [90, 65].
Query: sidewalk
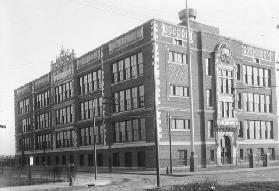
[82, 179]
[184, 171]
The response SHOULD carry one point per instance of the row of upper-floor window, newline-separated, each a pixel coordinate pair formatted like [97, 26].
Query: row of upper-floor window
[177, 57]
[90, 82]
[63, 91]
[64, 115]
[129, 130]
[127, 68]
[180, 91]
[43, 141]
[252, 75]
[226, 109]
[42, 121]
[254, 102]
[24, 106]
[225, 81]
[65, 139]
[88, 134]
[124, 69]
[256, 129]
[87, 108]
[24, 125]
[62, 139]
[259, 77]
[129, 99]
[25, 143]
[42, 100]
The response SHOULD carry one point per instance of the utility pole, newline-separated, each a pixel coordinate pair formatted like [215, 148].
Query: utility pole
[22, 147]
[169, 124]
[156, 129]
[94, 135]
[192, 157]
[108, 102]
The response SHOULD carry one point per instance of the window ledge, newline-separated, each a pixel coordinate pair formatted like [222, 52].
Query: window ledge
[134, 78]
[185, 64]
[253, 86]
[185, 130]
[175, 96]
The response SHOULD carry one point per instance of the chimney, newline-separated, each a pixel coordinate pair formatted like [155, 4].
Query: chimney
[192, 15]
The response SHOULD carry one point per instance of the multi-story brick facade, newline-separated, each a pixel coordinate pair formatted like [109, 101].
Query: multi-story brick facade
[234, 98]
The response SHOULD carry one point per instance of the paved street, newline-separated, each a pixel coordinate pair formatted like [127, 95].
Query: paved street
[144, 180]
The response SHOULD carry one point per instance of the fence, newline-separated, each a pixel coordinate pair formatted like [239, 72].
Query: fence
[38, 173]
[225, 162]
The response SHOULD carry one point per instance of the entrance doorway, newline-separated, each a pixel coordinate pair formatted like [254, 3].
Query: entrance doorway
[226, 150]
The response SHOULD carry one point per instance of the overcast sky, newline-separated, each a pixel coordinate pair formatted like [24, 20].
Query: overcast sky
[32, 33]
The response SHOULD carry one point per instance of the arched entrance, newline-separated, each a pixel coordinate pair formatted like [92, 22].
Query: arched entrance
[226, 157]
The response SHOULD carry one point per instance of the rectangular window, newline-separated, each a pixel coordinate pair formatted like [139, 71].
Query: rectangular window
[245, 77]
[271, 152]
[247, 129]
[63, 91]
[257, 60]
[115, 160]
[209, 98]
[240, 129]
[255, 76]
[249, 75]
[180, 124]
[87, 83]
[257, 129]
[81, 160]
[212, 155]
[261, 77]
[250, 102]
[267, 104]
[179, 91]
[129, 99]
[260, 151]
[262, 103]
[140, 63]
[141, 159]
[177, 57]
[238, 71]
[271, 130]
[183, 155]
[241, 155]
[266, 78]
[24, 106]
[210, 128]
[208, 66]
[142, 129]
[249, 152]
[127, 68]
[256, 102]
[128, 159]
[239, 106]
[252, 129]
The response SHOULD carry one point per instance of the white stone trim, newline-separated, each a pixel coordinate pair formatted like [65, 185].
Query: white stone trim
[132, 144]
[257, 142]
[188, 143]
